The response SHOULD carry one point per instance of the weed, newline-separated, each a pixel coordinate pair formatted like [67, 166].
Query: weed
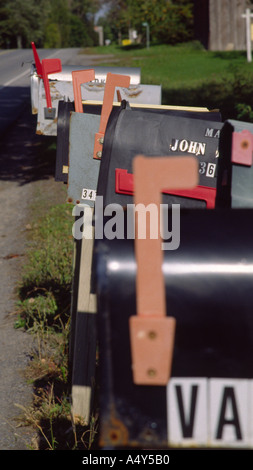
[44, 311]
[45, 291]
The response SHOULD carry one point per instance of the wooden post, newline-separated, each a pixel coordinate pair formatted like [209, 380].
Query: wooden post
[84, 348]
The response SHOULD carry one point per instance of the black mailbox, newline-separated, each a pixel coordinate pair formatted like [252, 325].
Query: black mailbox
[208, 280]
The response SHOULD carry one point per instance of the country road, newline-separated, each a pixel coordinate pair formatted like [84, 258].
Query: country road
[21, 182]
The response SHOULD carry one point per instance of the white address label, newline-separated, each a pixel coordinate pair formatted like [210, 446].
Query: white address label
[210, 412]
[207, 169]
[211, 167]
[89, 194]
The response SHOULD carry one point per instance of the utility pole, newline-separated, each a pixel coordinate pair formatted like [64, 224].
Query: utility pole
[147, 33]
[248, 15]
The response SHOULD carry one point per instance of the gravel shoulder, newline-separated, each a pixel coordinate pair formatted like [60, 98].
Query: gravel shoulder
[24, 177]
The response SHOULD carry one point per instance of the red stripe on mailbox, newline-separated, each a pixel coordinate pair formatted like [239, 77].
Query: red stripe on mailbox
[124, 184]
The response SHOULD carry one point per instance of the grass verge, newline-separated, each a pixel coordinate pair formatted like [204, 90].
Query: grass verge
[44, 312]
[191, 76]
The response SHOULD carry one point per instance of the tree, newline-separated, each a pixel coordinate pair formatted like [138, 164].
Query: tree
[57, 31]
[22, 21]
[169, 21]
[57, 23]
[82, 8]
[71, 23]
[82, 22]
[82, 33]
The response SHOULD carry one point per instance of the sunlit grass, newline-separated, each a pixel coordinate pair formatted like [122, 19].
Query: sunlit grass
[175, 65]
[190, 75]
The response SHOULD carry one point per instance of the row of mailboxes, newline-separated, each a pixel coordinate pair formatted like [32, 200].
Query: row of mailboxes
[171, 309]
[205, 283]
[51, 82]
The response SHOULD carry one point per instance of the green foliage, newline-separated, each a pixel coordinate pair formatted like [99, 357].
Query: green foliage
[231, 92]
[38, 312]
[60, 15]
[52, 36]
[50, 253]
[169, 22]
[78, 35]
[82, 34]
[80, 8]
[47, 277]
[244, 112]
[21, 22]
[60, 23]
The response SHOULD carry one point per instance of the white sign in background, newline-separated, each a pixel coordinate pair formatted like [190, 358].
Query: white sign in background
[210, 412]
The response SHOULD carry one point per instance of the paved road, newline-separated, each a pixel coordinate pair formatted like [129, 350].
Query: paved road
[15, 64]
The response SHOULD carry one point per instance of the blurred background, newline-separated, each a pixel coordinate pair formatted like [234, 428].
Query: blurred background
[81, 23]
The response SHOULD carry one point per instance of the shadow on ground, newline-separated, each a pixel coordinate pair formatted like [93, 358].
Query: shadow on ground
[26, 157]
